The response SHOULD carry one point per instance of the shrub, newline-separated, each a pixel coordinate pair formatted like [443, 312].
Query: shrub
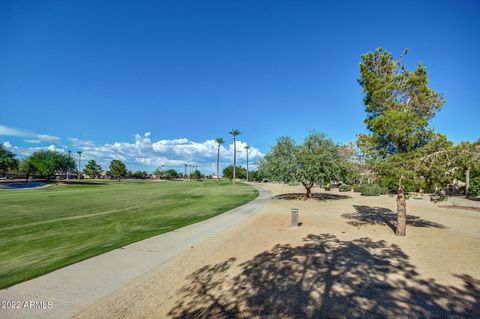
[344, 188]
[475, 186]
[359, 188]
[438, 197]
[327, 188]
[372, 190]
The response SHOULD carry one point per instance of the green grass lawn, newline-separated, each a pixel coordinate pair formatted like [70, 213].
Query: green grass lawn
[48, 228]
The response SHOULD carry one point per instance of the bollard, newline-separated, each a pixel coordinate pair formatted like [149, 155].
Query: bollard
[294, 214]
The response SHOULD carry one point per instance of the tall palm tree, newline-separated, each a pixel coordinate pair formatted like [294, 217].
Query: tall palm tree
[79, 161]
[219, 142]
[247, 148]
[234, 133]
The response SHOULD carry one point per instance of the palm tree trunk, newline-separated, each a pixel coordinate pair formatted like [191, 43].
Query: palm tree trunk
[218, 163]
[234, 158]
[247, 166]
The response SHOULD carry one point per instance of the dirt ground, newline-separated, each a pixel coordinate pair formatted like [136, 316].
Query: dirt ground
[344, 261]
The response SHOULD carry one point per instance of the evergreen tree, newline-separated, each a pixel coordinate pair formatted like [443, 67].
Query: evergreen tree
[399, 105]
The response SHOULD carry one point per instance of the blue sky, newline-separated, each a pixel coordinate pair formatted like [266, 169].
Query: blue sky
[154, 82]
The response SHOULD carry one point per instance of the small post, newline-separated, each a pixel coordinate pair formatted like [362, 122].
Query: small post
[294, 217]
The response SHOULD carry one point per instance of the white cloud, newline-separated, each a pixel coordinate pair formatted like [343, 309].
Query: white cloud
[7, 144]
[146, 154]
[143, 153]
[8, 131]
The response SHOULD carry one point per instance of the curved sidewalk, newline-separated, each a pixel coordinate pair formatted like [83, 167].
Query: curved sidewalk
[67, 291]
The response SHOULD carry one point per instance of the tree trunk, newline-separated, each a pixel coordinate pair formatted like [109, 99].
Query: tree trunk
[401, 209]
[308, 187]
[247, 166]
[218, 163]
[234, 158]
[467, 183]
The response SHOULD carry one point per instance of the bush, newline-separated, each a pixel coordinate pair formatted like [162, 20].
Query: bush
[327, 188]
[344, 188]
[371, 190]
[359, 188]
[438, 197]
[475, 186]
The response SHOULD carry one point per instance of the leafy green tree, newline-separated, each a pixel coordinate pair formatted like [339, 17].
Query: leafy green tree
[399, 105]
[197, 174]
[256, 176]
[316, 161]
[46, 163]
[219, 142]
[475, 186]
[92, 169]
[7, 160]
[434, 165]
[234, 134]
[117, 169]
[351, 164]
[138, 174]
[467, 161]
[241, 172]
[171, 174]
[27, 166]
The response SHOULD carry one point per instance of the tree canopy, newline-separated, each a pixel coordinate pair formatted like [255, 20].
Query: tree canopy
[315, 161]
[46, 163]
[240, 172]
[27, 166]
[117, 169]
[7, 160]
[399, 105]
[92, 169]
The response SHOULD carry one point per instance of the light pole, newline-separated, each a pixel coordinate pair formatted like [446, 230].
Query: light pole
[79, 162]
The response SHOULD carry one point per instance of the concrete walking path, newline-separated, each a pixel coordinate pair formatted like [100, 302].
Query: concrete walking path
[67, 291]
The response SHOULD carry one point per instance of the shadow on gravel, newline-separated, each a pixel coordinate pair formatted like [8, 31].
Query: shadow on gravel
[317, 196]
[367, 215]
[324, 278]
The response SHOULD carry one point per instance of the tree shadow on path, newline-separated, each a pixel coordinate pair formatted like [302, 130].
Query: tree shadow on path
[324, 278]
[367, 215]
[317, 196]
